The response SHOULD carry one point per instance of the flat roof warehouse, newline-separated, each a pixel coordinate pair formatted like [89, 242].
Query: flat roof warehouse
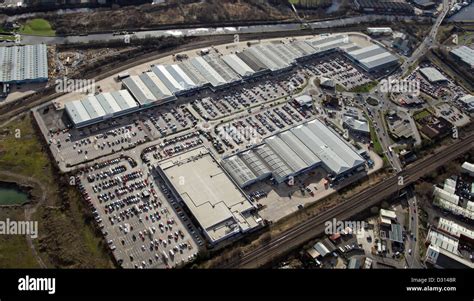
[220, 208]
[433, 75]
[165, 83]
[465, 54]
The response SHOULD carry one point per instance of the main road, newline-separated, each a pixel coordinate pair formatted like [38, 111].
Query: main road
[386, 105]
[412, 252]
[314, 226]
[428, 42]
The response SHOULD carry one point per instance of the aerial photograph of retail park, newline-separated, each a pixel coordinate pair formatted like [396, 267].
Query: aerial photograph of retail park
[226, 134]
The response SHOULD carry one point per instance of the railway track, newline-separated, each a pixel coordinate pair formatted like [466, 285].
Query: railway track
[23, 105]
[314, 226]
[18, 107]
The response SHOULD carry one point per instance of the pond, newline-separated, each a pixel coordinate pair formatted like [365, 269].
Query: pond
[11, 194]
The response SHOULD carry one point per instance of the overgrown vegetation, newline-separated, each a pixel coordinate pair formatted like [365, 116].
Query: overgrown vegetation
[14, 249]
[66, 236]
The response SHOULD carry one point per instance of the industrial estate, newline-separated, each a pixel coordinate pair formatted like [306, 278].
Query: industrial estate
[311, 144]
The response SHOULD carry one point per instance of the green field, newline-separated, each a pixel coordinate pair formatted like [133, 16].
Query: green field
[22, 154]
[37, 27]
[365, 88]
[420, 115]
[373, 137]
[340, 88]
[7, 37]
[14, 249]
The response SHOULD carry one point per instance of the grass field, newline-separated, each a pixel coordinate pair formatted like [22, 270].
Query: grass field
[37, 27]
[377, 146]
[14, 250]
[420, 115]
[22, 154]
[365, 88]
[340, 88]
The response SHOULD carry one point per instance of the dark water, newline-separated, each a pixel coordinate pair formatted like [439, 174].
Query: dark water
[465, 14]
[11, 194]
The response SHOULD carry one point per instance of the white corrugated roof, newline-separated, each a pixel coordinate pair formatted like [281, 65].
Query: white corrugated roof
[286, 153]
[432, 74]
[238, 65]
[23, 63]
[93, 108]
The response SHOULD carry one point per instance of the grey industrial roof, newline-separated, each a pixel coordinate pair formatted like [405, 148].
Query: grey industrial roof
[23, 63]
[238, 65]
[271, 53]
[352, 48]
[147, 88]
[367, 52]
[261, 57]
[166, 78]
[321, 149]
[372, 56]
[356, 124]
[296, 51]
[300, 149]
[227, 73]
[321, 249]
[110, 107]
[280, 169]
[155, 85]
[378, 61]
[193, 73]
[396, 233]
[252, 61]
[208, 72]
[432, 74]
[138, 90]
[466, 54]
[324, 43]
[341, 148]
[354, 263]
[94, 108]
[283, 53]
[290, 51]
[303, 47]
[443, 241]
[239, 171]
[286, 154]
[267, 57]
[180, 76]
[259, 168]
